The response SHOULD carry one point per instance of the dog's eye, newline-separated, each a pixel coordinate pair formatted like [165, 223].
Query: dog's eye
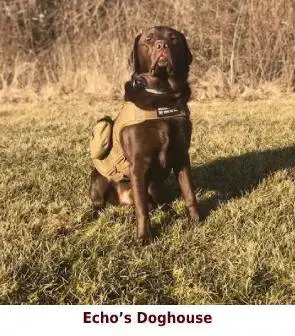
[148, 38]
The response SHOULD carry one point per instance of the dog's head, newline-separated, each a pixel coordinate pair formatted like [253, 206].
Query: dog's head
[162, 52]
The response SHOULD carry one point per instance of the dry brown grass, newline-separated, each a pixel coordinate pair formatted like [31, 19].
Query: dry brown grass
[57, 48]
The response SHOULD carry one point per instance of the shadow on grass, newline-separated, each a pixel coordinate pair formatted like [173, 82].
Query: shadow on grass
[234, 176]
[230, 177]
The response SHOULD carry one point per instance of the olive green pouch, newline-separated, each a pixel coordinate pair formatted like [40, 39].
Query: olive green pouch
[101, 140]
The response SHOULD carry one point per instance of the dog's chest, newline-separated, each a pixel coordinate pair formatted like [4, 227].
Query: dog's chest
[170, 139]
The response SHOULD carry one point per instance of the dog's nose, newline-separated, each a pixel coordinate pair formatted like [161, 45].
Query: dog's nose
[161, 44]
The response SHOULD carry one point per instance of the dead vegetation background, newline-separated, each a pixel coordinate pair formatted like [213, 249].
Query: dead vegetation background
[52, 48]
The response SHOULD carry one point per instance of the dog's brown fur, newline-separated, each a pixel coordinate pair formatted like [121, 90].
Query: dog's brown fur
[154, 147]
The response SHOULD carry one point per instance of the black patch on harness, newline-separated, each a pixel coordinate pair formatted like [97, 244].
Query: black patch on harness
[169, 112]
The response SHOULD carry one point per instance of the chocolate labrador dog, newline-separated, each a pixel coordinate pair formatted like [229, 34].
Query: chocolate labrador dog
[161, 60]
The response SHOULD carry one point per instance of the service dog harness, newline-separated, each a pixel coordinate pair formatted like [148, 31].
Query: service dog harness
[114, 166]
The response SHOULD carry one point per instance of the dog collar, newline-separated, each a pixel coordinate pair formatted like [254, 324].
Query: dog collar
[154, 91]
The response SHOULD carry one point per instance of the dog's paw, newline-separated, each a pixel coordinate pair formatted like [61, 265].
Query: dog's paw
[96, 210]
[145, 237]
[195, 217]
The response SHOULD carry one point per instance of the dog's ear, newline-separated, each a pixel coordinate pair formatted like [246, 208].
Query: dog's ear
[188, 54]
[133, 59]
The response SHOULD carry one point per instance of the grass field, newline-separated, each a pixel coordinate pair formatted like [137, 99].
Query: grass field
[243, 156]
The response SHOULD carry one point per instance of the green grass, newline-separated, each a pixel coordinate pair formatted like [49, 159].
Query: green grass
[243, 157]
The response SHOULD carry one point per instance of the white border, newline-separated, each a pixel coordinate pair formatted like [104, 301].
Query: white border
[68, 320]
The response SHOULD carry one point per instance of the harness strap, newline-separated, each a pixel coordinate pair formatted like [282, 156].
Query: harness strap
[115, 167]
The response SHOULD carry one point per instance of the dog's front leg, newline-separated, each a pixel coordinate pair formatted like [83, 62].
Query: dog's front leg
[138, 178]
[182, 172]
